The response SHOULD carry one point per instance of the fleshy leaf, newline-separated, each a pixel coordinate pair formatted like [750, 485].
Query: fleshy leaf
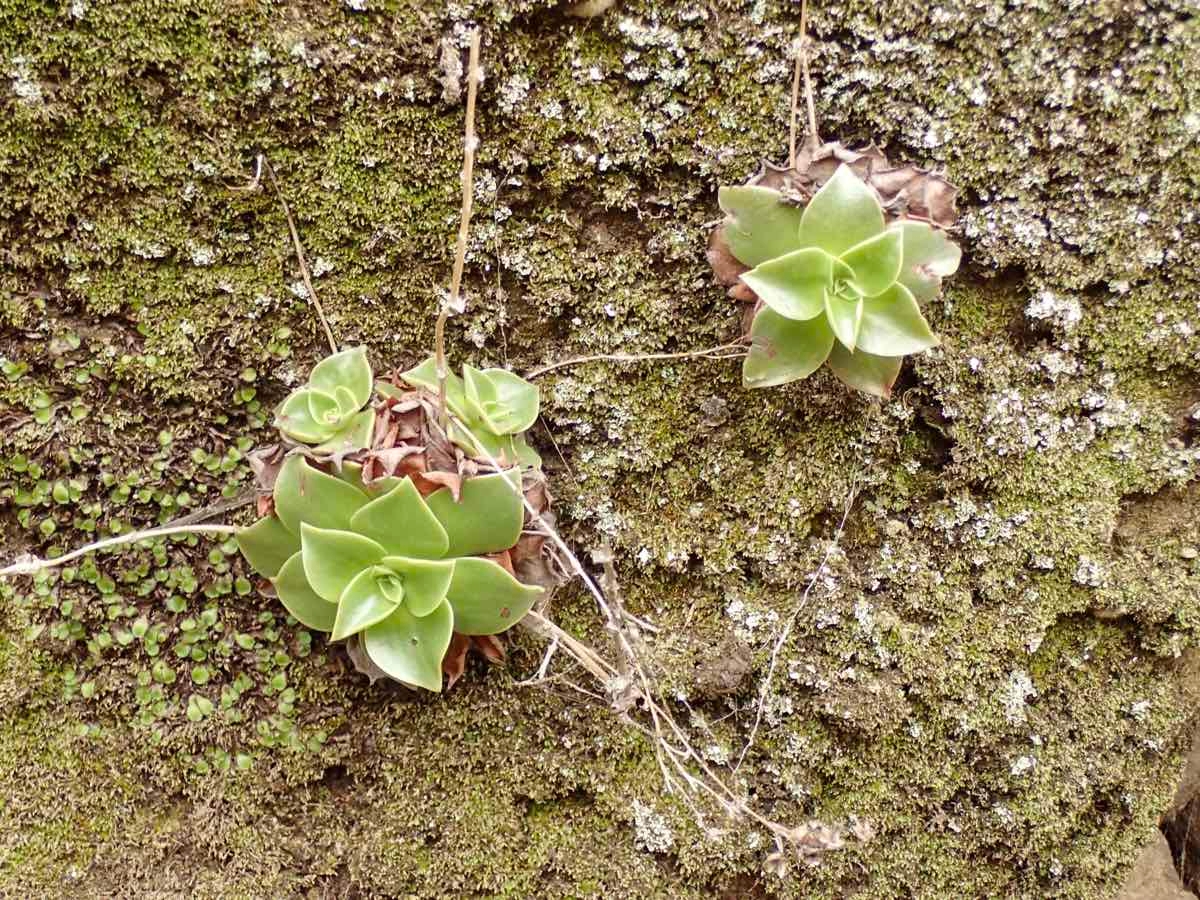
[299, 599]
[410, 649]
[865, 371]
[295, 420]
[323, 409]
[761, 225]
[508, 403]
[267, 545]
[402, 523]
[845, 318]
[487, 519]
[362, 604]
[783, 350]
[844, 212]
[793, 284]
[425, 581]
[333, 558]
[876, 262]
[349, 369]
[486, 599]
[425, 376]
[929, 256]
[355, 435]
[305, 494]
[892, 324]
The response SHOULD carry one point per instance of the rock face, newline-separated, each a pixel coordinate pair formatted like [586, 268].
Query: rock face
[1154, 876]
[990, 674]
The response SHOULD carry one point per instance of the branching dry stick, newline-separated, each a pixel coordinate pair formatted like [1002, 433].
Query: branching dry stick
[304, 273]
[460, 253]
[721, 351]
[30, 564]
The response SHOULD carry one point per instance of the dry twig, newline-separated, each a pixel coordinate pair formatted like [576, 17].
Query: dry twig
[28, 565]
[732, 350]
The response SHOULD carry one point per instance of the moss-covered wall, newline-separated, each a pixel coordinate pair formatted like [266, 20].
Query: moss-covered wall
[995, 672]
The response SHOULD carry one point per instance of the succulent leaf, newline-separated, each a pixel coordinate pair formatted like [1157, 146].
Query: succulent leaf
[487, 518]
[267, 545]
[892, 324]
[348, 369]
[794, 284]
[843, 213]
[305, 494]
[323, 409]
[486, 599]
[294, 418]
[929, 256]
[299, 599]
[402, 524]
[425, 376]
[761, 225]
[363, 602]
[507, 403]
[410, 648]
[865, 371]
[425, 581]
[333, 558]
[783, 350]
[354, 435]
[845, 317]
[876, 262]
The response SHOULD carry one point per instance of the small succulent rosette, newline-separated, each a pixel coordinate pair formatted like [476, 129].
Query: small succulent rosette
[836, 255]
[411, 544]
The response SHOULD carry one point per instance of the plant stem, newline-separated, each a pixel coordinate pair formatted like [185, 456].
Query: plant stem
[722, 351]
[813, 139]
[31, 564]
[308, 285]
[460, 252]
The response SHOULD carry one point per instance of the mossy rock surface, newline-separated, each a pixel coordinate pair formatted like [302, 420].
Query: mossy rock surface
[996, 668]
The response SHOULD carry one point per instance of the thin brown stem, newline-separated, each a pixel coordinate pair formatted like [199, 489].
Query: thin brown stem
[722, 351]
[304, 273]
[460, 252]
[813, 140]
[31, 564]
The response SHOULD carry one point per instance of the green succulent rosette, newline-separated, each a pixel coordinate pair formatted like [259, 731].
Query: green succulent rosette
[328, 411]
[839, 285]
[402, 571]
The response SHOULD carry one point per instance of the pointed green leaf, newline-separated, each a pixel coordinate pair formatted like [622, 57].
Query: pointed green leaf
[793, 284]
[295, 420]
[267, 545]
[488, 518]
[349, 369]
[323, 409]
[892, 324]
[876, 262]
[425, 581]
[333, 558]
[507, 402]
[425, 376]
[929, 256]
[783, 350]
[354, 435]
[865, 371]
[486, 599]
[844, 212]
[305, 494]
[410, 649]
[761, 226]
[402, 523]
[845, 317]
[362, 603]
[299, 599]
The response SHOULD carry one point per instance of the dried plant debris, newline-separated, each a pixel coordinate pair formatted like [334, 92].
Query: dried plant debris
[836, 255]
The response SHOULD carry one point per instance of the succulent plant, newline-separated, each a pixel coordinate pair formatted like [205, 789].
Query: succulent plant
[328, 411]
[404, 571]
[838, 283]
[494, 407]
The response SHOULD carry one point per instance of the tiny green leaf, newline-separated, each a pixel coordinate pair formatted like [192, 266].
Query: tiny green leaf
[844, 212]
[333, 558]
[305, 494]
[845, 317]
[299, 599]
[487, 519]
[402, 523]
[349, 369]
[363, 603]
[762, 226]
[876, 262]
[425, 581]
[410, 649]
[892, 324]
[267, 545]
[783, 350]
[486, 599]
[929, 256]
[793, 284]
[865, 371]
